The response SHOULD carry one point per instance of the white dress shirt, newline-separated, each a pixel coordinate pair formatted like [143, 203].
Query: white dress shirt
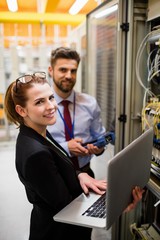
[87, 121]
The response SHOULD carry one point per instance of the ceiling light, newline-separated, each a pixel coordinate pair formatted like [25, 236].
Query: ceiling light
[77, 6]
[107, 11]
[41, 6]
[12, 5]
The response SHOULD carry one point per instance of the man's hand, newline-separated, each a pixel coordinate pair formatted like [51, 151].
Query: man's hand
[137, 196]
[94, 149]
[88, 183]
[76, 149]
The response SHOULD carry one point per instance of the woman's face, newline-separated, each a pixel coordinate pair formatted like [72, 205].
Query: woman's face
[41, 107]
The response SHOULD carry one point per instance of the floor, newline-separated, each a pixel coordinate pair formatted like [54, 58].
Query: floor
[14, 207]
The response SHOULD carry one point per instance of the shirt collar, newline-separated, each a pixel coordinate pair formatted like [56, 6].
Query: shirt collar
[59, 99]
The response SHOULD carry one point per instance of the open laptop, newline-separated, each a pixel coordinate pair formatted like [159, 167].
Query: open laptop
[127, 169]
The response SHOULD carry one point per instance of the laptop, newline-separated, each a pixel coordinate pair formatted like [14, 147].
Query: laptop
[128, 168]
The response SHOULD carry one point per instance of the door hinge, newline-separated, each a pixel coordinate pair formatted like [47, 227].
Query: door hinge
[123, 118]
[125, 27]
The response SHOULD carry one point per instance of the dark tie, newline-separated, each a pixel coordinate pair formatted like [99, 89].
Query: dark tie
[67, 119]
[68, 128]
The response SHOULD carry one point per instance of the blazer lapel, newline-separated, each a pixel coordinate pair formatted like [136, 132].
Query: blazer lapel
[54, 147]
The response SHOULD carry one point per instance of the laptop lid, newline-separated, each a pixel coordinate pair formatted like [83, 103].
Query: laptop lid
[127, 169]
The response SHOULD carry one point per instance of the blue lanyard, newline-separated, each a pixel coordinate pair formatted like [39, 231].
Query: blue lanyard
[71, 133]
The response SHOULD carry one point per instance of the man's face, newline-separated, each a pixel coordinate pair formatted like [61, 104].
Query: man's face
[64, 74]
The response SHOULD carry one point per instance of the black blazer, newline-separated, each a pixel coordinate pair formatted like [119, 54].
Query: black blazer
[50, 181]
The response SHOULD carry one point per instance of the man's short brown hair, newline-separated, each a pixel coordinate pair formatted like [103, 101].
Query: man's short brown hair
[64, 52]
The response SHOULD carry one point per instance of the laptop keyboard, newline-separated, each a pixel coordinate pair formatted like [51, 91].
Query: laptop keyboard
[98, 208]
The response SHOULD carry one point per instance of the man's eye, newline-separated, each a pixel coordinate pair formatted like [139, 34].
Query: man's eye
[74, 71]
[63, 70]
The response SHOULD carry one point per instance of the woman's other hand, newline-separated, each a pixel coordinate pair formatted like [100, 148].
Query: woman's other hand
[137, 193]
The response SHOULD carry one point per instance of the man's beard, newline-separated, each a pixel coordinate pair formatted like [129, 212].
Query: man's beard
[60, 86]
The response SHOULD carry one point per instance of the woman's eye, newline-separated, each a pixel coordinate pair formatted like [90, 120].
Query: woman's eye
[51, 97]
[39, 102]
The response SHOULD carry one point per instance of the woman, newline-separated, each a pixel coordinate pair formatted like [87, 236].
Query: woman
[43, 166]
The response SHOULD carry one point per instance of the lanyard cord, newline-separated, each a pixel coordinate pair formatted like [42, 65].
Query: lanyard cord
[71, 133]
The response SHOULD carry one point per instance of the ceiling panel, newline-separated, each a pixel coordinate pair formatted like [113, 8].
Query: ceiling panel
[52, 12]
[23, 6]
[56, 6]
[64, 6]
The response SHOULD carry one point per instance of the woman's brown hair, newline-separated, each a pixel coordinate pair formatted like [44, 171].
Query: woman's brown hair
[16, 94]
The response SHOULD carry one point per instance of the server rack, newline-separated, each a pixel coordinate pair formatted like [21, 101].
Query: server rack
[113, 44]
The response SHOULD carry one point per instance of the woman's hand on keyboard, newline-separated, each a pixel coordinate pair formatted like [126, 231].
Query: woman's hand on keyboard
[88, 183]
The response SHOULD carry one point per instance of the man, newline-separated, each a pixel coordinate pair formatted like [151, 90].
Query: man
[84, 110]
